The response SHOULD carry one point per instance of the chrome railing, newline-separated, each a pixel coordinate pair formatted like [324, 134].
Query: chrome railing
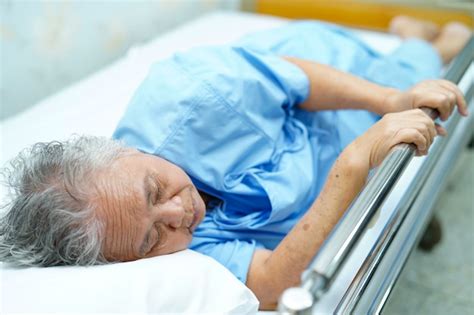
[398, 239]
[331, 257]
[369, 266]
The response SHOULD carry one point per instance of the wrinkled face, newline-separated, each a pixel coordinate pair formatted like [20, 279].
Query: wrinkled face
[149, 206]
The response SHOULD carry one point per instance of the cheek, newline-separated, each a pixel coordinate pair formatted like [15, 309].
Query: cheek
[175, 242]
[123, 247]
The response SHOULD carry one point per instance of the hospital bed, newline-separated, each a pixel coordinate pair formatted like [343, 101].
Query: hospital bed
[353, 277]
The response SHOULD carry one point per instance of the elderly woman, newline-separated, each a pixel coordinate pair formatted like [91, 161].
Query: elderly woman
[248, 153]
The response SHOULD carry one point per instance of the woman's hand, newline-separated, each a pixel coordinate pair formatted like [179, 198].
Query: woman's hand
[441, 95]
[411, 126]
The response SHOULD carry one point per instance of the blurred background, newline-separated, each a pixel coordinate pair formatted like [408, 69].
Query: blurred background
[46, 46]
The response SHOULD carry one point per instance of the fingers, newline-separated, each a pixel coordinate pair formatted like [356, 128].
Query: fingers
[431, 126]
[415, 127]
[441, 100]
[413, 136]
[440, 130]
[441, 95]
[424, 124]
[459, 98]
[411, 126]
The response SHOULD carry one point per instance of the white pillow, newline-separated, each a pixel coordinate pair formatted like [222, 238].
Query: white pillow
[185, 282]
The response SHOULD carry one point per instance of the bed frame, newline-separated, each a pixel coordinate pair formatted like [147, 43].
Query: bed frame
[369, 14]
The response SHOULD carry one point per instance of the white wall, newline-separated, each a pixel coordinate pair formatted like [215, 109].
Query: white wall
[47, 45]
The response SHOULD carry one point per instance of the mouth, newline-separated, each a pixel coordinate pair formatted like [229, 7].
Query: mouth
[195, 220]
[193, 225]
[196, 213]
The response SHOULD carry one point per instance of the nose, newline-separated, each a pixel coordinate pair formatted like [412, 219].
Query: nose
[174, 214]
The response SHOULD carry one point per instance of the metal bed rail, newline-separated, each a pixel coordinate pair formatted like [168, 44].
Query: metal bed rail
[383, 277]
[371, 263]
[329, 260]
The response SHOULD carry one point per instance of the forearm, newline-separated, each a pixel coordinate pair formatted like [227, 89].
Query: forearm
[333, 89]
[282, 267]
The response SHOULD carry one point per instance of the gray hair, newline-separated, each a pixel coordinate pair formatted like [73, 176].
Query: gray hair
[50, 218]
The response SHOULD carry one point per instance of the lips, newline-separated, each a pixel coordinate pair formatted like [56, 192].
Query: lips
[194, 222]
[197, 214]
[193, 225]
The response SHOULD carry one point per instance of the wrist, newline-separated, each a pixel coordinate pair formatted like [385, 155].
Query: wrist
[388, 101]
[355, 159]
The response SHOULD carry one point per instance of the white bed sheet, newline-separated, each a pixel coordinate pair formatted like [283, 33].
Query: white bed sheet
[95, 104]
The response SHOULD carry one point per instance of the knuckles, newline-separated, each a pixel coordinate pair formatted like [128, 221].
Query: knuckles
[444, 99]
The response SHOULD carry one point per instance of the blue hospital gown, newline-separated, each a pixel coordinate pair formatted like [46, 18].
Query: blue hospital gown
[227, 115]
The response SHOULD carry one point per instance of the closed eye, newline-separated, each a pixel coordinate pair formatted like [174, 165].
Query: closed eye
[154, 189]
[157, 239]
